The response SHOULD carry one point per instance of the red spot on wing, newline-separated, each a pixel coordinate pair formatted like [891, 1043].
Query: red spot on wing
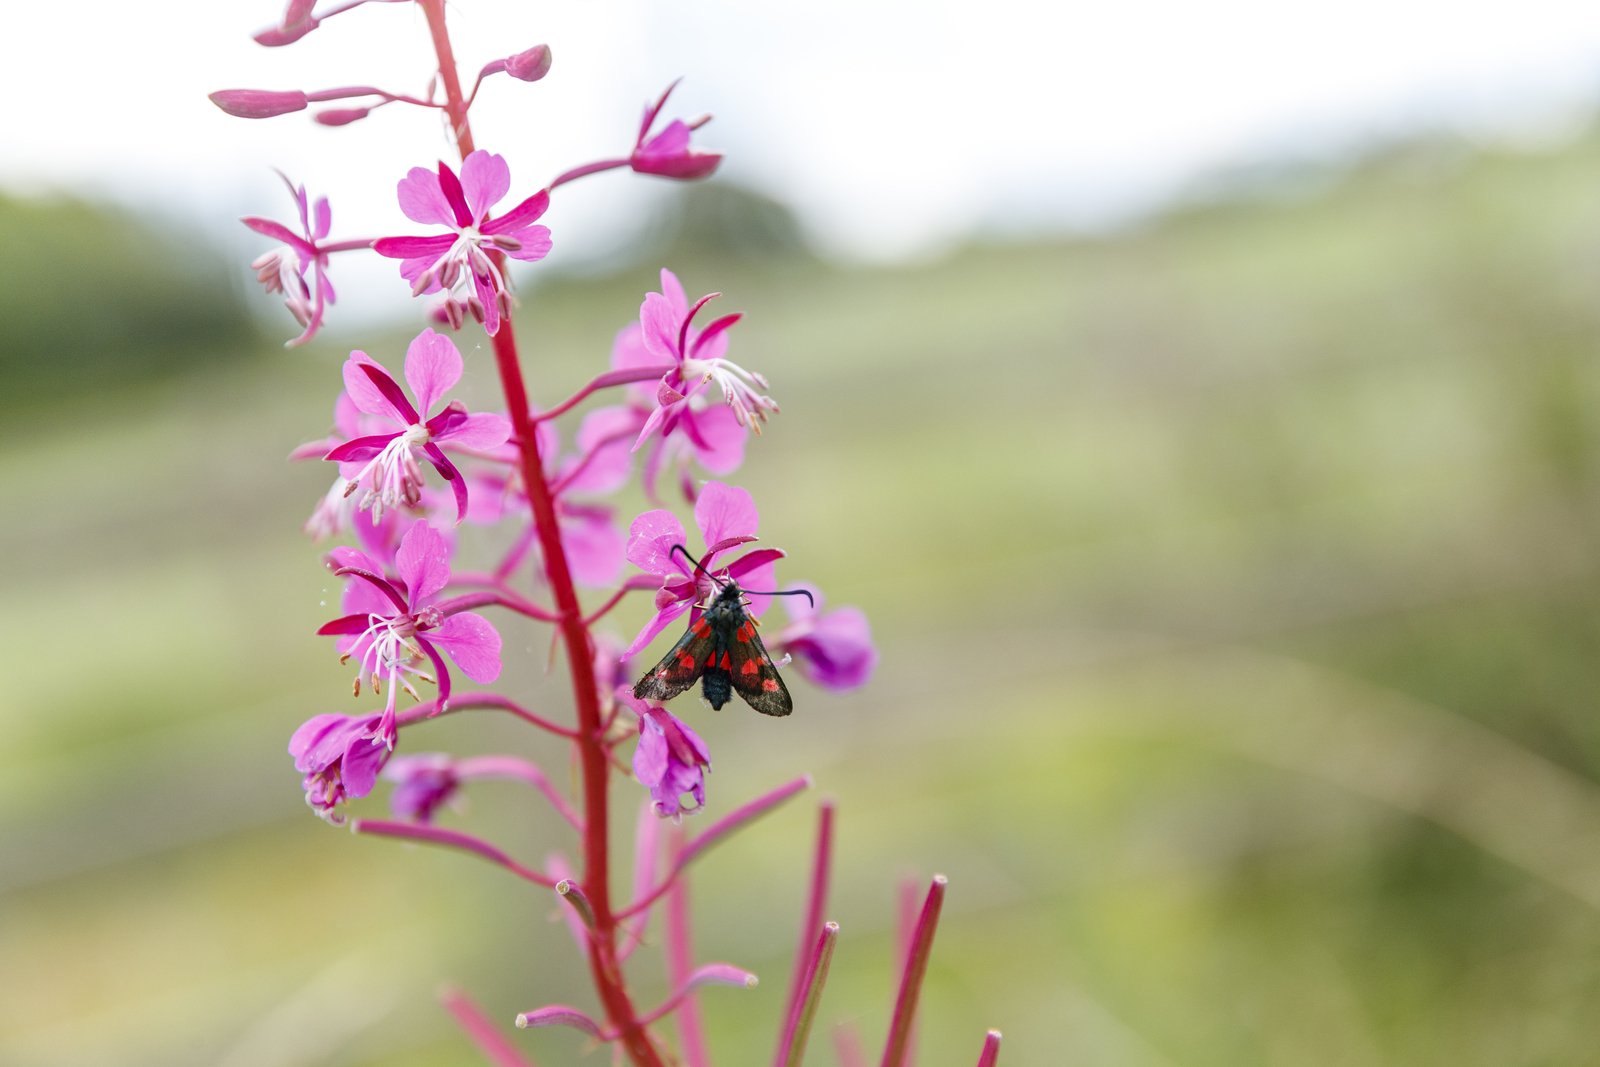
[702, 628]
[724, 661]
[770, 685]
[711, 660]
[750, 667]
[686, 661]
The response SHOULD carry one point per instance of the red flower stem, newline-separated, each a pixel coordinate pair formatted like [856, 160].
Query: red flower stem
[435, 835]
[814, 978]
[603, 964]
[679, 946]
[905, 1007]
[633, 583]
[482, 1031]
[604, 381]
[905, 929]
[810, 927]
[991, 1050]
[472, 701]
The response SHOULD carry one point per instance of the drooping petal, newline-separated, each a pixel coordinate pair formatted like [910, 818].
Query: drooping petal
[536, 243]
[423, 562]
[837, 651]
[362, 762]
[323, 738]
[725, 511]
[422, 200]
[650, 756]
[365, 393]
[433, 367]
[605, 432]
[650, 540]
[658, 622]
[524, 214]
[360, 450]
[277, 231]
[485, 180]
[473, 643]
[346, 416]
[447, 471]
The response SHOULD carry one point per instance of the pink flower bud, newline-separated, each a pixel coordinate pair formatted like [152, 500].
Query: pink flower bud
[531, 65]
[341, 116]
[297, 22]
[258, 103]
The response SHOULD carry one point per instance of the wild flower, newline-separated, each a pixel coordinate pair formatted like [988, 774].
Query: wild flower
[283, 269]
[834, 648]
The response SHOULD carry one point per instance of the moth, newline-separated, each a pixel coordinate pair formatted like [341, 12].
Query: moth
[722, 650]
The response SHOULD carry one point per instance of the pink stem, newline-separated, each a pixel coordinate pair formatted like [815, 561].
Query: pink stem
[472, 701]
[847, 1046]
[513, 767]
[991, 1049]
[714, 834]
[481, 1030]
[586, 170]
[518, 604]
[629, 585]
[680, 962]
[905, 1007]
[810, 923]
[816, 976]
[435, 835]
[603, 381]
[346, 246]
[905, 928]
[587, 458]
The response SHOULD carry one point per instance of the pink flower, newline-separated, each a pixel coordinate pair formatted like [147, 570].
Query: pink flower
[390, 639]
[727, 518]
[389, 461]
[283, 270]
[669, 154]
[668, 336]
[834, 649]
[446, 263]
[670, 759]
[426, 782]
[340, 756]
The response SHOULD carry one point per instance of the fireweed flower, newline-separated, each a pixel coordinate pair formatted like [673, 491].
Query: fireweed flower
[390, 460]
[833, 649]
[425, 781]
[668, 334]
[727, 518]
[669, 154]
[670, 759]
[390, 641]
[340, 756]
[283, 270]
[461, 261]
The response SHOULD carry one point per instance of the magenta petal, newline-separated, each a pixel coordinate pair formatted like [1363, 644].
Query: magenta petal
[628, 349]
[322, 739]
[414, 247]
[658, 622]
[366, 395]
[362, 762]
[485, 180]
[360, 450]
[660, 322]
[765, 578]
[450, 186]
[386, 385]
[594, 548]
[650, 755]
[482, 431]
[650, 540]
[721, 439]
[277, 231]
[447, 470]
[346, 416]
[725, 511]
[473, 643]
[433, 367]
[423, 562]
[536, 243]
[422, 200]
[524, 214]
[672, 140]
[345, 624]
[323, 212]
[672, 289]
[354, 558]
[491, 304]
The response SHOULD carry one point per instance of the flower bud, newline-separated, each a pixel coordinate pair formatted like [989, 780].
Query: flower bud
[341, 116]
[531, 65]
[258, 103]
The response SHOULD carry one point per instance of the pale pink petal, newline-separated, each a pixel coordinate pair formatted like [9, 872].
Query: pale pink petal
[324, 216]
[423, 562]
[411, 270]
[367, 396]
[362, 761]
[345, 556]
[481, 431]
[594, 548]
[628, 350]
[485, 179]
[725, 511]
[672, 289]
[346, 416]
[536, 243]
[433, 367]
[473, 643]
[660, 323]
[725, 435]
[422, 200]
[764, 578]
[650, 540]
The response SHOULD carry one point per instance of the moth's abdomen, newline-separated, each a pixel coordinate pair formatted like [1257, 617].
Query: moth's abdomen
[717, 685]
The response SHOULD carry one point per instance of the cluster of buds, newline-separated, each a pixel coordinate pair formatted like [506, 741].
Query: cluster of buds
[413, 464]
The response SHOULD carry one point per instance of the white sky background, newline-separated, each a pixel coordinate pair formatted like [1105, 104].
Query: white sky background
[894, 127]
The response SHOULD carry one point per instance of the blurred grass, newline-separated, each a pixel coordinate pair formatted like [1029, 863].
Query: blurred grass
[1236, 582]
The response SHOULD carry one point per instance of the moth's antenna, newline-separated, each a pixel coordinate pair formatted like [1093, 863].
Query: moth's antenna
[697, 564]
[787, 592]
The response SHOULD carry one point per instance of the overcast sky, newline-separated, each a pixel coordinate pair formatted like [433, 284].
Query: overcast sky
[893, 127]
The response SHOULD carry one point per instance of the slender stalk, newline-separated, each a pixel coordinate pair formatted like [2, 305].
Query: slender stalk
[905, 1006]
[482, 1030]
[810, 928]
[991, 1050]
[438, 835]
[815, 977]
[603, 963]
[679, 945]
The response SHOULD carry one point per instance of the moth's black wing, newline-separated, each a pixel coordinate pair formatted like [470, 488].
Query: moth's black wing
[680, 668]
[754, 675]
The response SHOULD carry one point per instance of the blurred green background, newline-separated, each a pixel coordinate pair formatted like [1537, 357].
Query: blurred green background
[1235, 577]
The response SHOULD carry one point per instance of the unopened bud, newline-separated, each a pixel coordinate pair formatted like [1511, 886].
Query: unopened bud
[258, 103]
[531, 65]
[341, 116]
